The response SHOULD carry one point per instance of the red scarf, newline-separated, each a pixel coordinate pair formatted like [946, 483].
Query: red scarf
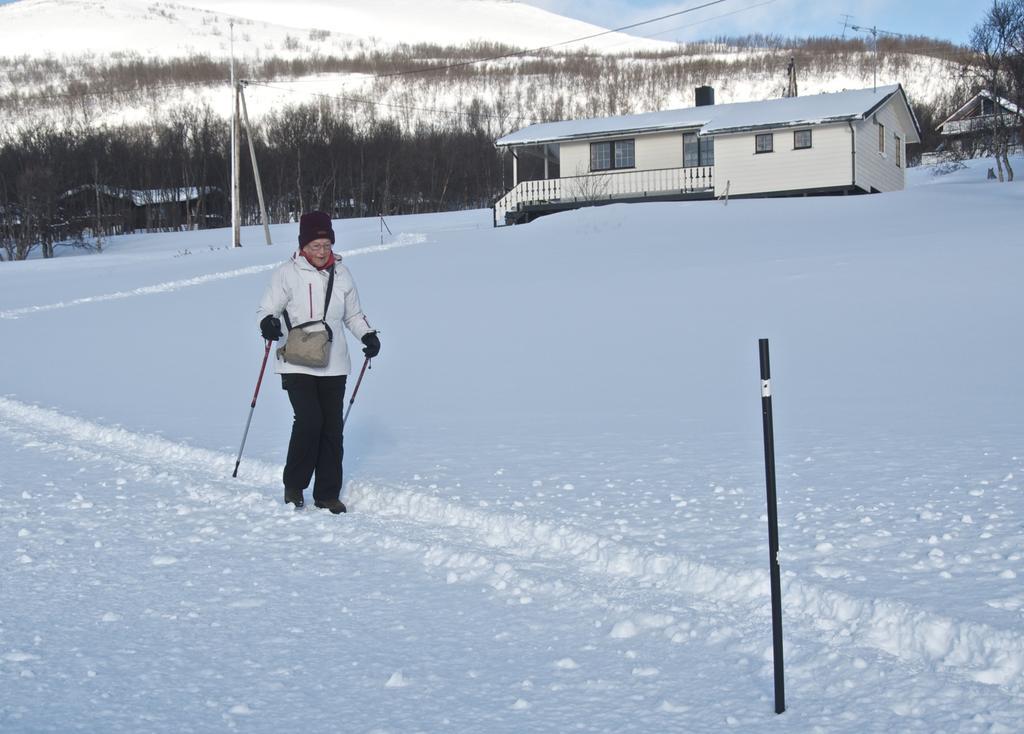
[329, 263]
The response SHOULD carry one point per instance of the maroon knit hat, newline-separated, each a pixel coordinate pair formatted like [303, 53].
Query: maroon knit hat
[315, 226]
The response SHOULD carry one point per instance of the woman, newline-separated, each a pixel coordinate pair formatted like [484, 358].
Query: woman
[313, 286]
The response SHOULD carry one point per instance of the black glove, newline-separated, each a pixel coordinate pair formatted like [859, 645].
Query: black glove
[372, 348]
[271, 328]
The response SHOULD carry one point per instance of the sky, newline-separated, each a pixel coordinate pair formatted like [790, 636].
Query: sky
[951, 20]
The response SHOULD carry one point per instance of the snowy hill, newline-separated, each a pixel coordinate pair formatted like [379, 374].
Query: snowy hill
[554, 469]
[39, 28]
[125, 61]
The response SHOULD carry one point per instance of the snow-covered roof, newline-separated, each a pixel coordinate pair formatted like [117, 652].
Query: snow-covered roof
[143, 197]
[817, 109]
[969, 105]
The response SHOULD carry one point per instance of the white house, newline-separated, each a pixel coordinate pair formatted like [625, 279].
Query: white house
[845, 142]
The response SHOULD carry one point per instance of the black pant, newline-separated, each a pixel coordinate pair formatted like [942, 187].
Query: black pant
[316, 443]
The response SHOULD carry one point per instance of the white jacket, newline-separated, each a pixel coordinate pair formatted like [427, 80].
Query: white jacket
[301, 289]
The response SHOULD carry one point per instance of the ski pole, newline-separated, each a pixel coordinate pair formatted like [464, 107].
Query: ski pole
[366, 363]
[252, 407]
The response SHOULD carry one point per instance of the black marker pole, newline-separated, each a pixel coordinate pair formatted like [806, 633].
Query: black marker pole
[773, 525]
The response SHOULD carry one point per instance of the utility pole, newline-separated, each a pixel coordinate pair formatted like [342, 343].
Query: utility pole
[236, 210]
[255, 167]
[99, 218]
[791, 86]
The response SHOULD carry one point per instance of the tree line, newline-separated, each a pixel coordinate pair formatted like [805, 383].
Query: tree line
[76, 184]
[57, 75]
[539, 86]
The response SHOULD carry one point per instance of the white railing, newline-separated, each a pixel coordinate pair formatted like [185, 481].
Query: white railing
[597, 187]
[980, 124]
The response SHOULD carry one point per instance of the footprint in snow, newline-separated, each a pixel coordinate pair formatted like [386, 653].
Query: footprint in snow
[247, 604]
[1011, 603]
[19, 657]
[623, 630]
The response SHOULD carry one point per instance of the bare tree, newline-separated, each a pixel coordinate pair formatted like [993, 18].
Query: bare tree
[589, 187]
[8, 217]
[36, 190]
[999, 42]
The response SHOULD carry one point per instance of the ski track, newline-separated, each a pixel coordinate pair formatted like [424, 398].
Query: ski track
[403, 240]
[494, 546]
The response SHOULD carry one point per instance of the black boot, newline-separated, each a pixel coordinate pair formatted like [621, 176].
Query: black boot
[335, 506]
[294, 497]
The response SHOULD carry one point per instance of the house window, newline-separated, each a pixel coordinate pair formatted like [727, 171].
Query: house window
[612, 154]
[624, 154]
[691, 150]
[899, 151]
[764, 143]
[698, 151]
[707, 151]
[801, 139]
[881, 138]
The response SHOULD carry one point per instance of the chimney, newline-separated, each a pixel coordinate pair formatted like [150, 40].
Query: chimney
[705, 96]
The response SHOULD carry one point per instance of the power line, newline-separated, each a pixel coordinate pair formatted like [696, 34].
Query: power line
[702, 21]
[355, 100]
[427, 70]
[525, 52]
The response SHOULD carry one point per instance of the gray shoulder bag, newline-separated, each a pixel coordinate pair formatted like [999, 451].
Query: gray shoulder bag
[309, 348]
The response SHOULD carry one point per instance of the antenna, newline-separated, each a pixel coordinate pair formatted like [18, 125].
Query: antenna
[846, 23]
[874, 31]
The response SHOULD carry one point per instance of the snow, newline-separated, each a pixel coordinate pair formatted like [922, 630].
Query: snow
[293, 29]
[82, 33]
[811, 109]
[68, 28]
[711, 119]
[415, 21]
[554, 470]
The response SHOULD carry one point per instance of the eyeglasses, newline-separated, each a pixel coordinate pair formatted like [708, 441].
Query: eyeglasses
[319, 248]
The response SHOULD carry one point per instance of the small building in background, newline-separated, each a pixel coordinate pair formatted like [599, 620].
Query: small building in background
[983, 121]
[122, 211]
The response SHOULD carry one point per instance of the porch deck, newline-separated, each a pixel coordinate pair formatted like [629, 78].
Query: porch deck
[530, 199]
